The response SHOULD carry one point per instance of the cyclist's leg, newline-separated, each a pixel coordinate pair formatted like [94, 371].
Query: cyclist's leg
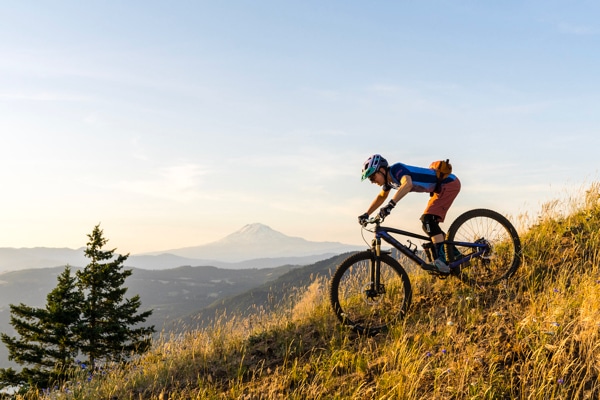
[440, 203]
[431, 227]
[435, 212]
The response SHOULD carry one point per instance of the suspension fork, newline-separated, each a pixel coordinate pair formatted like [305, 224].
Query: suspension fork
[375, 287]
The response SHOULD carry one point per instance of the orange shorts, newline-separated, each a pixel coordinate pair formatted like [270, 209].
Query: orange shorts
[440, 203]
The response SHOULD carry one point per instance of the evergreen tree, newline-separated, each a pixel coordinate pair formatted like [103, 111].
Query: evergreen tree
[64, 310]
[47, 342]
[86, 313]
[107, 329]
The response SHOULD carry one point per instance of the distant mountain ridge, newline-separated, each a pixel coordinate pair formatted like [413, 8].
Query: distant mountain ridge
[12, 259]
[259, 241]
[253, 246]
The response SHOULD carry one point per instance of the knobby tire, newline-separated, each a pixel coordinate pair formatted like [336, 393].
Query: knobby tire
[504, 255]
[350, 299]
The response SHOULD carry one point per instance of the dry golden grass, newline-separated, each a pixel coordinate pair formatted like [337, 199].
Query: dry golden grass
[535, 337]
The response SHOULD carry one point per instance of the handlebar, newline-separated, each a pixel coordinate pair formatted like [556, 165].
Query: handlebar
[376, 220]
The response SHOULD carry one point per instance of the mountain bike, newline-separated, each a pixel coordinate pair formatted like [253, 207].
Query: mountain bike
[370, 290]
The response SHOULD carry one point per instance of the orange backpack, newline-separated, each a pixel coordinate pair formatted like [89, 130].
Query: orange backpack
[442, 169]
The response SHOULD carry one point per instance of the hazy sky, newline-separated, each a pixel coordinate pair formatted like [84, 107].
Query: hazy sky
[175, 123]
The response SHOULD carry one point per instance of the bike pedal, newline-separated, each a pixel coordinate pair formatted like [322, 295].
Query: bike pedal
[430, 268]
[438, 274]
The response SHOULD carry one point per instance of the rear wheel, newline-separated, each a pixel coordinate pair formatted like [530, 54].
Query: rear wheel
[362, 306]
[502, 255]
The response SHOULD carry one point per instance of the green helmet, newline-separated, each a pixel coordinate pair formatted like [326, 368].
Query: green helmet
[372, 165]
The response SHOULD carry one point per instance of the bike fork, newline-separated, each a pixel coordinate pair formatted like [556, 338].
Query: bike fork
[375, 288]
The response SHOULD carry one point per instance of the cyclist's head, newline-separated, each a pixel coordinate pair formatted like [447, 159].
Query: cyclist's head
[372, 165]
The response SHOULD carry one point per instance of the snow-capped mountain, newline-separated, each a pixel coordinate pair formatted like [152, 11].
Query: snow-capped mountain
[253, 246]
[259, 241]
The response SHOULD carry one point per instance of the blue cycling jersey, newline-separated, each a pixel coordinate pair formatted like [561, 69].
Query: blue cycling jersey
[423, 179]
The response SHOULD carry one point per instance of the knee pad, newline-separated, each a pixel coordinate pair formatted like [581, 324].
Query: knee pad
[431, 225]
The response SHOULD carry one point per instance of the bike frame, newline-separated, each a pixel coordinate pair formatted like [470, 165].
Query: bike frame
[384, 232]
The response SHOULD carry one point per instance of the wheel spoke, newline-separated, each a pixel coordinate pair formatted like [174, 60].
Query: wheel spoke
[501, 255]
[361, 304]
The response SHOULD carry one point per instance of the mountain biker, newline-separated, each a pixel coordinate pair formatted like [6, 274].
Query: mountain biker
[405, 179]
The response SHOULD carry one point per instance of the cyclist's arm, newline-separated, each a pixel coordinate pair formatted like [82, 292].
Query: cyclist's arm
[378, 201]
[405, 187]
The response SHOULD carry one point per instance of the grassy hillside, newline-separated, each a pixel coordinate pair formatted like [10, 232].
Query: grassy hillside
[535, 337]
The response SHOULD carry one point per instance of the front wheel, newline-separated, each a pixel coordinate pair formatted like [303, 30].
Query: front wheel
[501, 254]
[361, 303]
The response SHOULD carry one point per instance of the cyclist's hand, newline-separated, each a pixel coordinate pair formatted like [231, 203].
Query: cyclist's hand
[385, 211]
[362, 219]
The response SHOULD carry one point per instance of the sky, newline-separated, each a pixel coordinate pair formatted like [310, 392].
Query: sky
[175, 123]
